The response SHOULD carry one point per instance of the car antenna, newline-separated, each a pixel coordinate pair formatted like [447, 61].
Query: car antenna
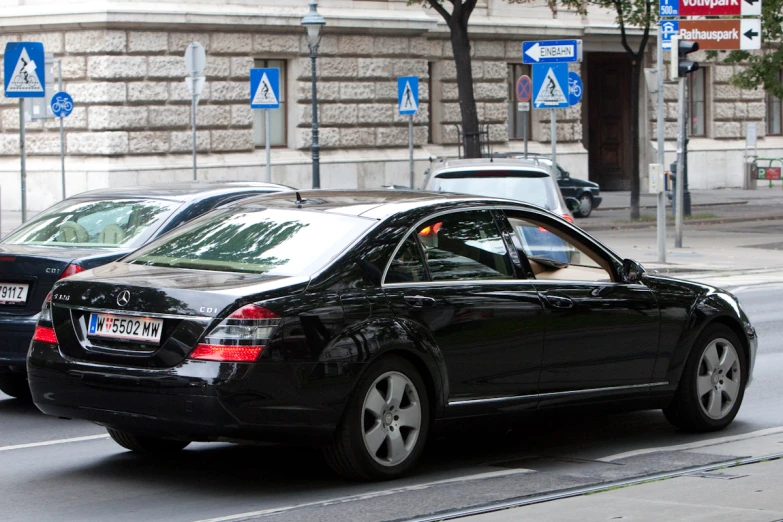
[299, 200]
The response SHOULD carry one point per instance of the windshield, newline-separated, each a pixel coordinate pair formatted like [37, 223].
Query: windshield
[527, 186]
[268, 241]
[94, 223]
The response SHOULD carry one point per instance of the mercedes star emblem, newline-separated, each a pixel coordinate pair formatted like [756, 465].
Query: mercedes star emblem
[123, 298]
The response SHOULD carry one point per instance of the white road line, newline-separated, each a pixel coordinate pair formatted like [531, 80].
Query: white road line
[53, 442]
[365, 496]
[694, 445]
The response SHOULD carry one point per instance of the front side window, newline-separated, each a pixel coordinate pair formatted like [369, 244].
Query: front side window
[554, 255]
[277, 119]
[95, 223]
[260, 241]
[464, 246]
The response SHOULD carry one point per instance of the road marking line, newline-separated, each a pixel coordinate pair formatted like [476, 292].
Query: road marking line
[365, 496]
[53, 442]
[694, 445]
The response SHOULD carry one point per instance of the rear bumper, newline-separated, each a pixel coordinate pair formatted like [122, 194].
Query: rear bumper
[197, 400]
[16, 332]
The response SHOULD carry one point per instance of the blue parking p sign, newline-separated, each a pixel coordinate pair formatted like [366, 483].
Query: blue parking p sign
[24, 68]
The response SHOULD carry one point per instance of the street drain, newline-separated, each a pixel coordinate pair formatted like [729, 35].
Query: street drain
[715, 475]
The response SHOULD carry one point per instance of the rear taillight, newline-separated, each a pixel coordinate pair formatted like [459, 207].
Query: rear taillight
[240, 337]
[568, 218]
[44, 330]
[70, 270]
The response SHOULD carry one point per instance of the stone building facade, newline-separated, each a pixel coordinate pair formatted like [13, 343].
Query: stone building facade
[124, 68]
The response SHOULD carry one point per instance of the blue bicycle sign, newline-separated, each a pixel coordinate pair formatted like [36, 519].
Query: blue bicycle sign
[574, 88]
[62, 104]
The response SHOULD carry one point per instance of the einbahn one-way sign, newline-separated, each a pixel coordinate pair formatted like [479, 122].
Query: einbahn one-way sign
[720, 8]
[552, 51]
[722, 35]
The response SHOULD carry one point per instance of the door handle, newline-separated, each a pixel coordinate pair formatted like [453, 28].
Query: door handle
[419, 301]
[557, 301]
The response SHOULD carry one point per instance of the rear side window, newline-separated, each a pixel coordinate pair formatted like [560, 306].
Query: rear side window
[407, 265]
[266, 241]
[464, 246]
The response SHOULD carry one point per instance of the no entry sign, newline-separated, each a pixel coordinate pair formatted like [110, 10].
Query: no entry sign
[722, 35]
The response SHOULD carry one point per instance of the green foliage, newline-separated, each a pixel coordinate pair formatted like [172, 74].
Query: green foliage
[763, 68]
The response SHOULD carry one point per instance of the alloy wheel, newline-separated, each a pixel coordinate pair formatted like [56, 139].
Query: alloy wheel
[585, 205]
[391, 418]
[719, 378]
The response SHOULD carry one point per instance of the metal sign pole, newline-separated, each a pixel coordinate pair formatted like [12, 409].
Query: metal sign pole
[193, 117]
[681, 129]
[524, 128]
[553, 133]
[268, 141]
[410, 147]
[62, 132]
[22, 157]
[661, 211]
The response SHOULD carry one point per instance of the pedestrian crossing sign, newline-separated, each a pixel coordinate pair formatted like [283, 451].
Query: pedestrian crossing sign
[550, 86]
[24, 70]
[408, 94]
[265, 88]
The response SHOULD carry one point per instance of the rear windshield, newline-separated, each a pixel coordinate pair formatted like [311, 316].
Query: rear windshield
[267, 241]
[533, 187]
[95, 223]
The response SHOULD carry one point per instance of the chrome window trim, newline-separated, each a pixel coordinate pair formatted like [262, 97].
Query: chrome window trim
[488, 208]
[554, 394]
[114, 311]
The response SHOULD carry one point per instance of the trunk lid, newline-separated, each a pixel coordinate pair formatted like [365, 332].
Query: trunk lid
[186, 304]
[39, 268]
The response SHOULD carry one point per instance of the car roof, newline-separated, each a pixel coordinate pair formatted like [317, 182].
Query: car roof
[372, 204]
[490, 164]
[184, 191]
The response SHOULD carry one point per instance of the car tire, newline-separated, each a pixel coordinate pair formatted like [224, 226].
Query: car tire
[385, 424]
[585, 206]
[15, 384]
[712, 384]
[144, 444]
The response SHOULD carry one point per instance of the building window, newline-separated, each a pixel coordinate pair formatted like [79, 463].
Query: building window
[518, 125]
[774, 127]
[696, 99]
[277, 119]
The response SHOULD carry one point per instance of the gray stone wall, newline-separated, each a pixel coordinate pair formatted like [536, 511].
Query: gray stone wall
[728, 109]
[131, 98]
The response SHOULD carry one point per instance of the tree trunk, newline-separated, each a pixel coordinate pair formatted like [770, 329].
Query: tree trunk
[460, 44]
[636, 71]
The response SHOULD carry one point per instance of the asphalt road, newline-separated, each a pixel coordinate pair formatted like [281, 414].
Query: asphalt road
[94, 479]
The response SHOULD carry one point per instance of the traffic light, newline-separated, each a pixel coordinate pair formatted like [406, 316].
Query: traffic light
[678, 66]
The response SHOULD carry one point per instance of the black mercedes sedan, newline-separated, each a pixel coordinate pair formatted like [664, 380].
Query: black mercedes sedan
[85, 231]
[361, 321]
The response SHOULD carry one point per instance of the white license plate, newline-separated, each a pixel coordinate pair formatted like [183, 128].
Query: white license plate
[15, 293]
[125, 327]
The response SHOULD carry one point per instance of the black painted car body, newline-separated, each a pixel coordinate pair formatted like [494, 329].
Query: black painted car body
[490, 325]
[85, 231]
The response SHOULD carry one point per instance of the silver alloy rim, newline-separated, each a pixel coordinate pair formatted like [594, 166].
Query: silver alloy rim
[585, 205]
[718, 379]
[391, 418]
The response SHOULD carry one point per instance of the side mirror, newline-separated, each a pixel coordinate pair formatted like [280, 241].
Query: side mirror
[566, 174]
[632, 271]
[572, 204]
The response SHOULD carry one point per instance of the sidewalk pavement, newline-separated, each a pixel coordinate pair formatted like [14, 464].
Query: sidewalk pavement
[739, 493]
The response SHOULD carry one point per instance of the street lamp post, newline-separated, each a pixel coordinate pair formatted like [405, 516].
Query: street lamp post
[313, 23]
